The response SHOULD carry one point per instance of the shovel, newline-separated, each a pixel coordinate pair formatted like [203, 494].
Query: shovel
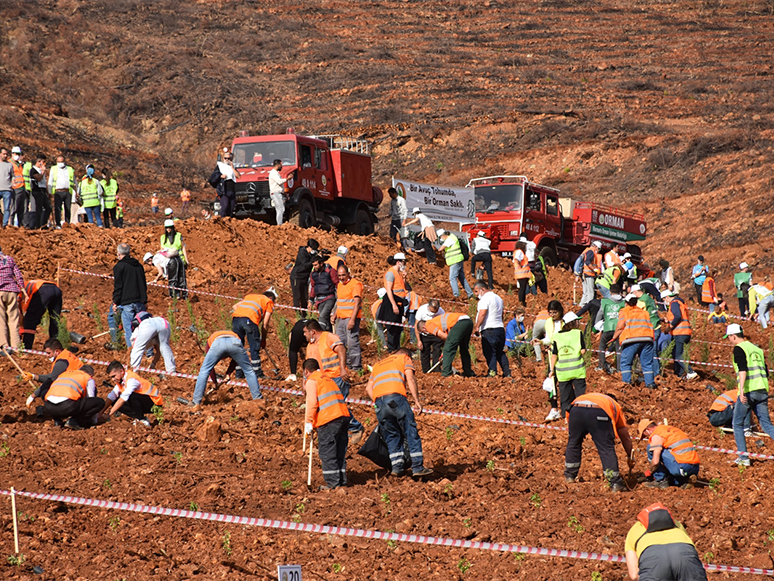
[276, 370]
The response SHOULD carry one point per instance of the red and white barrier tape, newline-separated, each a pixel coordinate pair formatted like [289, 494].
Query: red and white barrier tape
[369, 403]
[351, 532]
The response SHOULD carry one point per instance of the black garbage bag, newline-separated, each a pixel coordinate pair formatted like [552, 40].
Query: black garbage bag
[375, 449]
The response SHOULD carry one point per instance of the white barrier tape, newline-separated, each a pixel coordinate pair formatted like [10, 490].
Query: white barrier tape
[350, 532]
[369, 403]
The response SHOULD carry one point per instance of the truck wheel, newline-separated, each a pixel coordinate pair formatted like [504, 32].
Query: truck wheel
[549, 256]
[305, 218]
[363, 225]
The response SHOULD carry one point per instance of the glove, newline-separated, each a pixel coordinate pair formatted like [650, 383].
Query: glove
[308, 428]
[30, 399]
[648, 473]
[26, 376]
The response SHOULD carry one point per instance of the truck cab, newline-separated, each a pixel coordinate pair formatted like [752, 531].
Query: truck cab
[329, 180]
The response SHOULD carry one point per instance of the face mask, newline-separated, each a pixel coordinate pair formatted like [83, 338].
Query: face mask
[90, 172]
[401, 267]
[520, 319]
[61, 165]
[15, 157]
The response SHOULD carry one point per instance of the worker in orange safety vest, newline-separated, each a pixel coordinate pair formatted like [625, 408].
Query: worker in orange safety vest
[672, 455]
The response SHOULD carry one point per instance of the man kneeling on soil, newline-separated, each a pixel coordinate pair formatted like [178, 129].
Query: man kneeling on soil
[222, 344]
[673, 459]
[74, 395]
[327, 412]
[132, 394]
[387, 388]
[658, 549]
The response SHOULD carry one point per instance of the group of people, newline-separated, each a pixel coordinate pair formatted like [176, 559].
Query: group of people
[30, 191]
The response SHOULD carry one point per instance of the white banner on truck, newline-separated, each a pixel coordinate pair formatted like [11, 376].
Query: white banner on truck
[439, 203]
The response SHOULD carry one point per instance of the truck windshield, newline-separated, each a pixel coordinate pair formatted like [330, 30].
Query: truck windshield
[264, 153]
[499, 198]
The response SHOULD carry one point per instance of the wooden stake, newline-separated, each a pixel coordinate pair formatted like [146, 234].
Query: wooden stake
[15, 521]
[304, 448]
[309, 473]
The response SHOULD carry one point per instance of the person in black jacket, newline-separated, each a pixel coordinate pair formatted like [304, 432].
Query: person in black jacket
[299, 276]
[130, 292]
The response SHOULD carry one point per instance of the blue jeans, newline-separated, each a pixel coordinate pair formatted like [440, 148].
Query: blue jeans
[412, 318]
[656, 352]
[628, 352]
[7, 196]
[127, 313]
[92, 215]
[221, 348]
[671, 468]
[457, 273]
[244, 327]
[396, 421]
[763, 310]
[604, 292]
[680, 342]
[758, 402]
[354, 425]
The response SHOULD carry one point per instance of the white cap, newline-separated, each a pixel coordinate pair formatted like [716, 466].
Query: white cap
[635, 288]
[743, 265]
[169, 223]
[629, 297]
[147, 256]
[481, 233]
[168, 212]
[627, 255]
[733, 329]
[440, 232]
[399, 256]
[273, 291]
[381, 292]
[415, 211]
[16, 149]
[666, 293]
[597, 243]
[569, 318]
[343, 250]
[523, 239]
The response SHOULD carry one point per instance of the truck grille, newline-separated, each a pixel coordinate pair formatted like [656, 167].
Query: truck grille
[255, 190]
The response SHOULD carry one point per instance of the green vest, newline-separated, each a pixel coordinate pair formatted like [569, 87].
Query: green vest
[55, 174]
[569, 363]
[89, 192]
[607, 277]
[26, 173]
[650, 306]
[739, 279]
[453, 252]
[610, 309]
[119, 212]
[756, 379]
[111, 192]
[177, 244]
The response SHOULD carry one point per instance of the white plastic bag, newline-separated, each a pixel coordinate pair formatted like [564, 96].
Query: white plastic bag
[548, 384]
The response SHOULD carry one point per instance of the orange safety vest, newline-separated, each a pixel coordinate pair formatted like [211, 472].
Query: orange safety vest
[389, 375]
[708, 290]
[684, 326]
[330, 400]
[335, 261]
[146, 388]
[32, 286]
[73, 363]
[637, 325]
[724, 400]
[326, 356]
[399, 285]
[521, 267]
[253, 307]
[677, 442]
[594, 270]
[375, 307]
[154, 201]
[185, 196]
[443, 322]
[345, 303]
[414, 301]
[606, 404]
[71, 384]
[18, 176]
[542, 316]
[612, 258]
[218, 334]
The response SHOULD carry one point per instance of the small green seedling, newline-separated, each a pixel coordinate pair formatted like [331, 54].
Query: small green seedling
[467, 522]
[336, 568]
[286, 485]
[575, 525]
[463, 565]
[16, 560]
[522, 440]
[158, 413]
[519, 556]
[5, 449]
[114, 523]
[386, 500]
[714, 484]
[448, 490]
[596, 576]
[107, 484]
[490, 465]
[708, 557]
[536, 500]
[449, 434]
[178, 456]
[192, 506]
[226, 542]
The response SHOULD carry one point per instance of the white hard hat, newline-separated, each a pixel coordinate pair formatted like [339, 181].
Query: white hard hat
[273, 291]
[627, 255]
[440, 232]
[381, 292]
[399, 256]
[666, 293]
[481, 233]
[743, 265]
[523, 239]
[597, 243]
[16, 149]
[635, 288]
[168, 212]
[342, 250]
[629, 297]
[569, 318]
[415, 211]
[169, 223]
[148, 255]
[733, 329]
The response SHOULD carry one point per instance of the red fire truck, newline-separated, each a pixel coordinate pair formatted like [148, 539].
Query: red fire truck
[508, 207]
[329, 180]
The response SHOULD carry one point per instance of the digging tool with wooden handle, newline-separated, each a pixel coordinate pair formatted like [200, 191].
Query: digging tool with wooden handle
[19, 368]
[309, 472]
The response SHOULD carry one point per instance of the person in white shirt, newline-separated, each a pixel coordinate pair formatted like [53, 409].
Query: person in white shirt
[228, 175]
[489, 324]
[398, 214]
[61, 185]
[430, 346]
[427, 234]
[531, 247]
[480, 251]
[148, 332]
[277, 190]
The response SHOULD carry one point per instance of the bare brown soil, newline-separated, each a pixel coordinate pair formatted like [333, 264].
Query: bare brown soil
[661, 107]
